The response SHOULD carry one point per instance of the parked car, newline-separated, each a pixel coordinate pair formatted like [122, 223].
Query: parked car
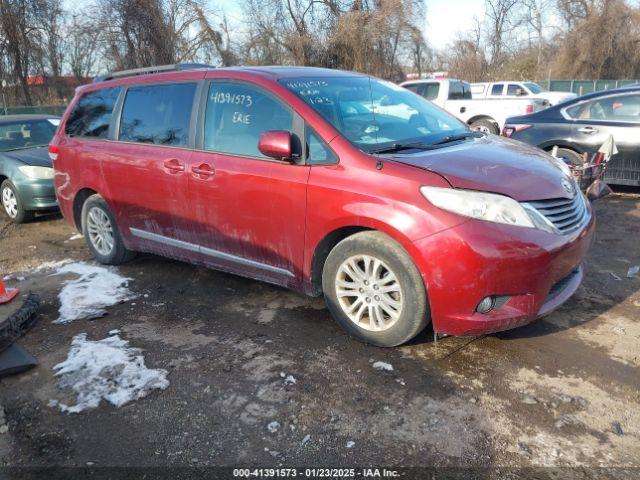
[26, 174]
[485, 115]
[506, 89]
[295, 177]
[583, 124]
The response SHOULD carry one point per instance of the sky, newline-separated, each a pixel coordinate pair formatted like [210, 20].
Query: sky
[446, 18]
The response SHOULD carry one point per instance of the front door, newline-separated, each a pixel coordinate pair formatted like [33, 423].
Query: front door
[146, 169]
[249, 210]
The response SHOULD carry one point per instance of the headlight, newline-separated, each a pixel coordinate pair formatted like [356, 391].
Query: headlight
[38, 173]
[483, 206]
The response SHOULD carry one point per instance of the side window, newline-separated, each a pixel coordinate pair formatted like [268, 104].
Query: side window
[513, 88]
[157, 114]
[466, 91]
[430, 90]
[455, 91]
[496, 90]
[413, 87]
[92, 114]
[619, 108]
[318, 152]
[237, 114]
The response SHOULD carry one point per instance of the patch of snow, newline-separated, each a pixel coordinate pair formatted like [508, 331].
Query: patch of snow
[290, 380]
[106, 369]
[114, 332]
[51, 265]
[305, 439]
[351, 444]
[383, 366]
[88, 295]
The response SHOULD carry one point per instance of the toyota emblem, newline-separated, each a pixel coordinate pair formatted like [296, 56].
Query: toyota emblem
[568, 186]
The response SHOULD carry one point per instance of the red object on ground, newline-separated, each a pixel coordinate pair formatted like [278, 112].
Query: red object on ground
[7, 294]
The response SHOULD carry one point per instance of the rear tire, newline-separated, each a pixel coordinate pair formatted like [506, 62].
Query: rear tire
[374, 290]
[486, 126]
[102, 234]
[12, 204]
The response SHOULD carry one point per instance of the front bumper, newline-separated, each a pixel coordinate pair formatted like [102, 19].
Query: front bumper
[536, 270]
[36, 194]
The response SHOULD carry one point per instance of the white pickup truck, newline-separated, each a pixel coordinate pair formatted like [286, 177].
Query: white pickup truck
[487, 115]
[518, 90]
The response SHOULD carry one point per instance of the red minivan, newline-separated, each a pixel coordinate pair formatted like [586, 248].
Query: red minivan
[325, 182]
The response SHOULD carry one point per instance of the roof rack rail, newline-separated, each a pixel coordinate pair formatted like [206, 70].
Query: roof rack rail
[149, 70]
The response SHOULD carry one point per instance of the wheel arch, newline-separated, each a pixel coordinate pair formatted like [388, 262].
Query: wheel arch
[323, 247]
[482, 117]
[548, 146]
[78, 201]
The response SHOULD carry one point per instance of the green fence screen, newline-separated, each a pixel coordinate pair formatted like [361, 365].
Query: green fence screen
[582, 87]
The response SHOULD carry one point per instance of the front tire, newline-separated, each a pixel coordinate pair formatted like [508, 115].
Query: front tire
[12, 204]
[101, 232]
[374, 290]
[486, 126]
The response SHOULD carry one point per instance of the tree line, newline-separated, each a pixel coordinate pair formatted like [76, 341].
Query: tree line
[516, 39]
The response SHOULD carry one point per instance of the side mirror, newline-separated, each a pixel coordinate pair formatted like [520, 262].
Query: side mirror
[275, 144]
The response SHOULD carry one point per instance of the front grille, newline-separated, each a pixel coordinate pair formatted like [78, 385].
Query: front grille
[565, 214]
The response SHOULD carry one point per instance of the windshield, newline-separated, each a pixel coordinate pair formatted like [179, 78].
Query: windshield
[374, 114]
[534, 87]
[28, 134]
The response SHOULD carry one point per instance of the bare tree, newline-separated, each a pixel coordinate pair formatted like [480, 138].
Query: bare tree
[16, 21]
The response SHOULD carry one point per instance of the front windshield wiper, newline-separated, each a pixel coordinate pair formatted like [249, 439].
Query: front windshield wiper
[397, 147]
[461, 136]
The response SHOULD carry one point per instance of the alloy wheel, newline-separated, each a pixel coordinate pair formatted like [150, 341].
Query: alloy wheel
[10, 202]
[369, 293]
[100, 231]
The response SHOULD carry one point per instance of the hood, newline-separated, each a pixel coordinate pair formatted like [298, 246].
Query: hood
[37, 156]
[497, 165]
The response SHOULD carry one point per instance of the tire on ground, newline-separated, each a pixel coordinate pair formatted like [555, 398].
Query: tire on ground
[414, 316]
[22, 215]
[485, 125]
[118, 254]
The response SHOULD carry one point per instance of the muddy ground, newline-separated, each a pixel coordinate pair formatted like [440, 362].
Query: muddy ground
[562, 391]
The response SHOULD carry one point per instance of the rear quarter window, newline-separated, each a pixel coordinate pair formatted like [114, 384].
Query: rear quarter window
[91, 116]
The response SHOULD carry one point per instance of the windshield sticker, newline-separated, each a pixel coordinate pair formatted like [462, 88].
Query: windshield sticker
[54, 121]
[232, 98]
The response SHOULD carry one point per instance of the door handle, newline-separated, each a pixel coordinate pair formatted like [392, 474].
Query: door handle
[463, 109]
[173, 165]
[588, 130]
[204, 170]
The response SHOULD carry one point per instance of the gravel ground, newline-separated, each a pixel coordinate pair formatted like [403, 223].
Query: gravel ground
[562, 391]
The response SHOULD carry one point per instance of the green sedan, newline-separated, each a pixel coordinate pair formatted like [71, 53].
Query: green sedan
[26, 173]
